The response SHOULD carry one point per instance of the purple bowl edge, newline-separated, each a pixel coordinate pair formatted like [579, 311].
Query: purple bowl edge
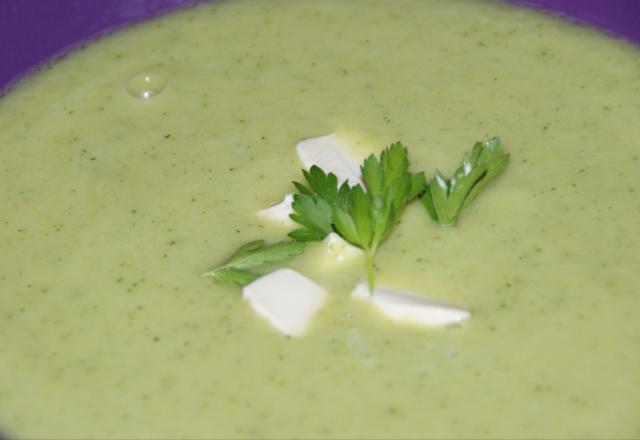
[66, 24]
[25, 56]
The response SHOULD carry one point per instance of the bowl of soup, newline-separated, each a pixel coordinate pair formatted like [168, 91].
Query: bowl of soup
[134, 164]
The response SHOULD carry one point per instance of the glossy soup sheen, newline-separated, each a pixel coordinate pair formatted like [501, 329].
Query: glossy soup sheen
[112, 206]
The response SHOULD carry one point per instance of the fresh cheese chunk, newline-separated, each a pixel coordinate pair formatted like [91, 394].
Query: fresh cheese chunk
[332, 155]
[332, 255]
[411, 308]
[327, 152]
[285, 298]
[279, 212]
[337, 250]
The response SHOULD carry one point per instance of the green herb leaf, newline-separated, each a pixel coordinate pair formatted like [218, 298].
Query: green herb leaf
[314, 214]
[253, 255]
[363, 218]
[233, 276]
[313, 207]
[445, 198]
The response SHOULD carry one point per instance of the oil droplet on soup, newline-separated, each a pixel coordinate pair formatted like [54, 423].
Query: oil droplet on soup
[146, 85]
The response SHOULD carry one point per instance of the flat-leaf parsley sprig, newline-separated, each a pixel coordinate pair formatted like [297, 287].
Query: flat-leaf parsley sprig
[363, 218]
[313, 207]
[445, 198]
[253, 255]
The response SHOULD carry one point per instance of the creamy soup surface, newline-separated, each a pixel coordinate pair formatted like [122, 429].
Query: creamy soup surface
[112, 205]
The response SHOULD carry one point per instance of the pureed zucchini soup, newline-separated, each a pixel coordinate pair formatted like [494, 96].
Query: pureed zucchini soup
[137, 164]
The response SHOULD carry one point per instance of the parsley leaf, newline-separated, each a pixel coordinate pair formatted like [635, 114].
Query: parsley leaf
[313, 207]
[363, 218]
[253, 255]
[445, 198]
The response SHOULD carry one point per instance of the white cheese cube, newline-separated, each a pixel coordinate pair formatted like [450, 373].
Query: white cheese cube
[332, 155]
[410, 307]
[279, 212]
[285, 298]
[327, 152]
[338, 250]
[332, 255]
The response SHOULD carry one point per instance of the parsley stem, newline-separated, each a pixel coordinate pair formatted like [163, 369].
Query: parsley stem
[370, 270]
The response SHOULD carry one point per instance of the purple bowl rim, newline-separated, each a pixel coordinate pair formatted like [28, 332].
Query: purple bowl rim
[29, 51]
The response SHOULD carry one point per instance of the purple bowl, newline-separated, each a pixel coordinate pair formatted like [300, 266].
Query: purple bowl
[34, 31]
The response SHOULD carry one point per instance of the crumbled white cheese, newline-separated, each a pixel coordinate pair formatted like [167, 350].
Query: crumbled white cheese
[332, 155]
[327, 152]
[280, 211]
[285, 298]
[338, 250]
[410, 307]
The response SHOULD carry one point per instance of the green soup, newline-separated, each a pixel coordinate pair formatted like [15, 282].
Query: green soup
[112, 205]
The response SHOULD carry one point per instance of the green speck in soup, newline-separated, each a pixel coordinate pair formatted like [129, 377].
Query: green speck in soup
[113, 204]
